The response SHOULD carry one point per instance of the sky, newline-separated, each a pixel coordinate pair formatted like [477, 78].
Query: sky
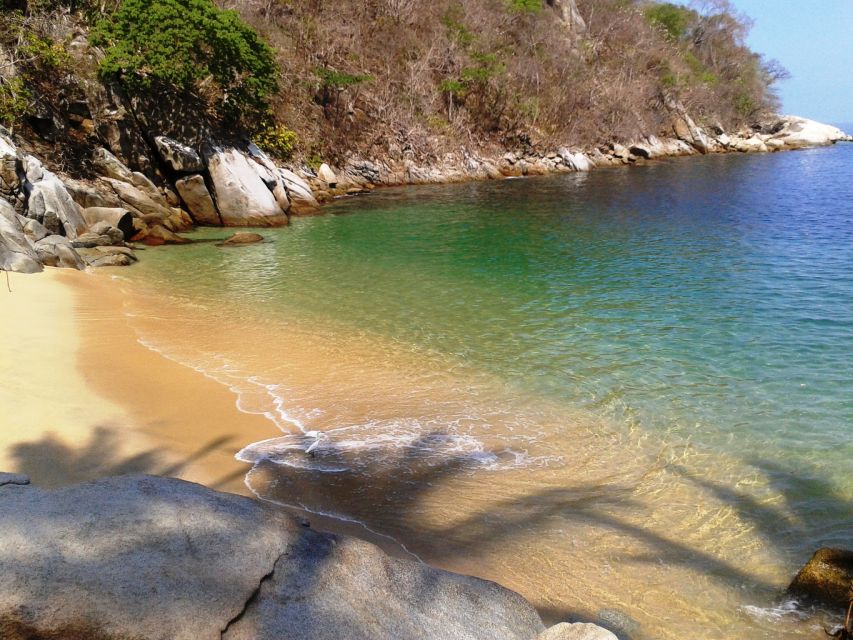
[813, 39]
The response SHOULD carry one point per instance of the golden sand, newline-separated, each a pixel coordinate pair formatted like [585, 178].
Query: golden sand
[81, 398]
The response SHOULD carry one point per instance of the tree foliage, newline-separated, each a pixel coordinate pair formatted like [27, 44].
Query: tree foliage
[190, 45]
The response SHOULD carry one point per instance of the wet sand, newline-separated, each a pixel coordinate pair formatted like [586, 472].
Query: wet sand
[82, 399]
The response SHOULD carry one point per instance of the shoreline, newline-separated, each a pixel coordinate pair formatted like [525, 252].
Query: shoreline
[116, 406]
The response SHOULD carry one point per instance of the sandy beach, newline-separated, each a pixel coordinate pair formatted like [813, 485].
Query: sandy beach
[82, 399]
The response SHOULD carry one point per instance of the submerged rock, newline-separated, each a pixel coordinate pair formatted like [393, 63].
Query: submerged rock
[242, 238]
[153, 558]
[576, 631]
[826, 578]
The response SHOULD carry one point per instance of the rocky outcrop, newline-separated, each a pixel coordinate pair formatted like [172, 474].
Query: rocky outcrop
[301, 195]
[16, 254]
[826, 578]
[196, 197]
[242, 196]
[153, 558]
[795, 132]
[179, 157]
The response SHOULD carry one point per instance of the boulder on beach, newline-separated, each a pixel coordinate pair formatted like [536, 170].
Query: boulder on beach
[826, 578]
[151, 558]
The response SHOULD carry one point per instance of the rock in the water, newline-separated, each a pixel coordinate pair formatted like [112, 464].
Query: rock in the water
[15, 251]
[576, 631]
[106, 256]
[195, 195]
[179, 157]
[14, 478]
[158, 234]
[242, 238]
[155, 558]
[57, 251]
[798, 132]
[242, 197]
[826, 578]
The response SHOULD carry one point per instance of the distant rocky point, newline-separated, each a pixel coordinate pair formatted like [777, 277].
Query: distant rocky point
[50, 220]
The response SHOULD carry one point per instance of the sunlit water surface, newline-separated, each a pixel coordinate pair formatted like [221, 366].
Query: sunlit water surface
[627, 395]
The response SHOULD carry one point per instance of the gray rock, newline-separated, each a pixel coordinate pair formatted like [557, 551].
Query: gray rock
[58, 251]
[14, 478]
[16, 254]
[826, 578]
[137, 200]
[197, 198]
[242, 196]
[115, 217]
[300, 194]
[155, 559]
[91, 239]
[111, 166]
[576, 631]
[49, 201]
[326, 174]
[88, 196]
[180, 157]
[33, 229]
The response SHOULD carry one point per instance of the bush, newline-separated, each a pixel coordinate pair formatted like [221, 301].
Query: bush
[14, 100]
[192, 46]
[674, 20]
[277, 140]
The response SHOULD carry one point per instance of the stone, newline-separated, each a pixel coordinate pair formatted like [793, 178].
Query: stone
[640, 150]
[116, 217]
[89, 240]
[144, 184]
[57, 251]
[137, 200]
[88, 196]
[114, 168]
[242, 197]
[326, 174]
[33, 229]
[16, 254]
[576, 631]
[100, 228]
[158, 234]
[242, 238]
[796, 132]
[49, 200]
[197, 198]
[13, 478]
[108, 256]
[154, 558]
[299, 193]
[826, 578]
[179, 157]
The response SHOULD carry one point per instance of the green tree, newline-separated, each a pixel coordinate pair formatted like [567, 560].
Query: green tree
[192, 46]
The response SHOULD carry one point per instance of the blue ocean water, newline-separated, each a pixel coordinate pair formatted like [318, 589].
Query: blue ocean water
[701, 301]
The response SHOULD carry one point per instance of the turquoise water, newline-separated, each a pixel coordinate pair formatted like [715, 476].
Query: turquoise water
[703, 301]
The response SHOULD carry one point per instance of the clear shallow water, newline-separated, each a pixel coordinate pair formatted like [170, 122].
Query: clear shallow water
[627, 394]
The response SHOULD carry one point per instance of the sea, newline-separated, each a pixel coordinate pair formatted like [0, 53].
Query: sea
[626, 394]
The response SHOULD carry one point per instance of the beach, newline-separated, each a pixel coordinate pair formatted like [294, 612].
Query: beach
[83, 399]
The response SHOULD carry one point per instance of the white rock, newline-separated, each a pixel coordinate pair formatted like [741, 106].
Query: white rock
[577, 631]
[326, 174]
[49, 198]
[242, 197]
[801, 132]
[195, 195]
[16, 254]
[299, 192]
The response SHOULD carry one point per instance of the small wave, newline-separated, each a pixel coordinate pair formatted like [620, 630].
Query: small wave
[790, 609]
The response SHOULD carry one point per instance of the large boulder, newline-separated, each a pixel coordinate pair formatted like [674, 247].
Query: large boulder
[137, 200]
[156, 558]
[50, 203]
[179, 157]
[196, 197]
[57, 251]
[826, 578]
[16, 254]
[111, 166]
[796, 132]
[242, 197]
[300, 194]
[117, 217]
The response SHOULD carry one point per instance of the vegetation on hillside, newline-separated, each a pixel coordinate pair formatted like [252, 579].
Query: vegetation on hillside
[403, 78]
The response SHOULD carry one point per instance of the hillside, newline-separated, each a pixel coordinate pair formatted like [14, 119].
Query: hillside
[380, 78]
